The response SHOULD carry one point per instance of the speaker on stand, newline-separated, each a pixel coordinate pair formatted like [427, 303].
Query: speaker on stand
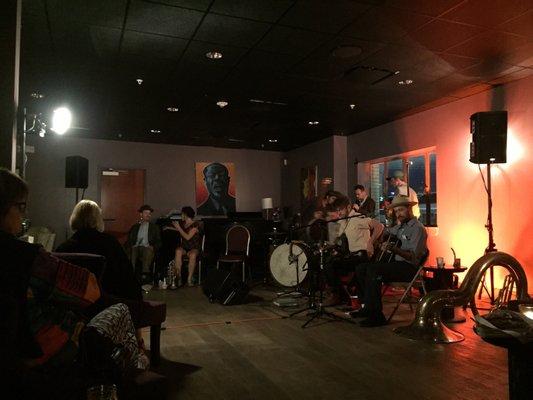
[489, 146]
[76, 173]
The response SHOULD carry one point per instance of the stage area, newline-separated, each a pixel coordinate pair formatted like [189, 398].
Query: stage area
[251, 351]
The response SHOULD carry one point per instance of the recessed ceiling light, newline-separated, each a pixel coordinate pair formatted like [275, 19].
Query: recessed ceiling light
[37, 95]
[352, 106]
[213, 55]
[273, 140]
[222, 103]
[173, 109]
[139, 81]
[313, 122]
[405, 82]
[155, 131]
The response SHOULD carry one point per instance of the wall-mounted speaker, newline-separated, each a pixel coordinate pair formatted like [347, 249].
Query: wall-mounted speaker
[76, 172]
[489, 137]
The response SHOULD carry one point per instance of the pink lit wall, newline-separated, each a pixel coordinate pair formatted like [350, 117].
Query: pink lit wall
[462, 202]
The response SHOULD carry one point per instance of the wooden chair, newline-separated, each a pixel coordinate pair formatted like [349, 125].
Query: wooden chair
[237, 248]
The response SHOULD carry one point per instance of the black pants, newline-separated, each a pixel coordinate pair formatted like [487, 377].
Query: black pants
[338, 266]
[370, 276]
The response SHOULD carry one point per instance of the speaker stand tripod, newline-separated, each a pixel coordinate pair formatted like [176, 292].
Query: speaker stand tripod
[315, 303]
[491, 246]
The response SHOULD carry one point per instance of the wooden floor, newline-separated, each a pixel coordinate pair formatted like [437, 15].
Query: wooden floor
[251, 352]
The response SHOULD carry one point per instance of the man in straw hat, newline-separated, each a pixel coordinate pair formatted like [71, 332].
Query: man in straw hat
[407, 258]
[397, 179]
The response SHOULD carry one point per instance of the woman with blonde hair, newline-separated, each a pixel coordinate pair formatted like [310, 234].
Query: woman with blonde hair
[89, 237]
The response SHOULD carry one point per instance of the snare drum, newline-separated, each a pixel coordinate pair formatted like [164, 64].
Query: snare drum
[289, 263]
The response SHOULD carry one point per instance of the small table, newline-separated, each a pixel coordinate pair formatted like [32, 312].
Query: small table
[442, 279]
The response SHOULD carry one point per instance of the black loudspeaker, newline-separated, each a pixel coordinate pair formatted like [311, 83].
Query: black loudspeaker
[225, 287]
[489, 137]
[76, 172]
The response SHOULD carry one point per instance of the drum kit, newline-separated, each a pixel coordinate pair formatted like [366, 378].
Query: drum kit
[297, 265]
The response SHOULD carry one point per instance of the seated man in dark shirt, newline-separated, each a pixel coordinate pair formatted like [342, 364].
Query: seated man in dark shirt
[403, 268]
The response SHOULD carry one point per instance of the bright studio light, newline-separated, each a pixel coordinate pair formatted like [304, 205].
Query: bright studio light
[61, 120]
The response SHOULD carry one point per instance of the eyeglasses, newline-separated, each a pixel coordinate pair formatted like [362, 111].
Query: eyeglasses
[21, 206]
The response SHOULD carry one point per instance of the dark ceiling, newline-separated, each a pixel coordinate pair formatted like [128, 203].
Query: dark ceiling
[303, 61]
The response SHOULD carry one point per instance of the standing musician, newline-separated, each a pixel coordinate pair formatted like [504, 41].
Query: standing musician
[356, 235]
[364, 204]
[403, 268]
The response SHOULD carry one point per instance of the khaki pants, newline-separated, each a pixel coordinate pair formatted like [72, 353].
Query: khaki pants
[145, 255]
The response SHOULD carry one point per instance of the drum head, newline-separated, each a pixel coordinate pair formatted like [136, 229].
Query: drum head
[288, 268]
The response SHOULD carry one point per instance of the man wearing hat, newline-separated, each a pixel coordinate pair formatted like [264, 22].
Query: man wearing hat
[397, 179]
[407, 259]
[144, 239]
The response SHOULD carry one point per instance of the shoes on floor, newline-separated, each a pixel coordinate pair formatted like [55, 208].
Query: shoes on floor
[361, 313]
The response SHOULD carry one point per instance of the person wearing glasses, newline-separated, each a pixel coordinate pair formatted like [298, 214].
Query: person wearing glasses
[54, 327]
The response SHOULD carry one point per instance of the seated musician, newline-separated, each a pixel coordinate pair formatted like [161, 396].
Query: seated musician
[189, 231]
[407, 258]
[355, 237]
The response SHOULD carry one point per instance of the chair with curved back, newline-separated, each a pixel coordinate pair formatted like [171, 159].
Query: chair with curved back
[237, 248]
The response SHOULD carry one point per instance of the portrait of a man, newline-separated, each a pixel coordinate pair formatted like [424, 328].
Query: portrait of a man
[215, 192]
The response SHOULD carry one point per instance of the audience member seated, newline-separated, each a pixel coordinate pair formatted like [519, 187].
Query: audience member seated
[45, 338]
[144, 239]
[190, 244]
[88, 225]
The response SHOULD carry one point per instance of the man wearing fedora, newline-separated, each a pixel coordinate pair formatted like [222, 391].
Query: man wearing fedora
[144, 238]
[407, 259]
[397, 179]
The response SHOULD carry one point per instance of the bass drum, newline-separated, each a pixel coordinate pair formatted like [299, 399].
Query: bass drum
[289, 263]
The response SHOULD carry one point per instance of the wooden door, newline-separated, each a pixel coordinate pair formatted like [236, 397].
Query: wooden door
[121, 194]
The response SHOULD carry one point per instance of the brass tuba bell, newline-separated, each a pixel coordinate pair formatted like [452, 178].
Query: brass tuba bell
[428, 325]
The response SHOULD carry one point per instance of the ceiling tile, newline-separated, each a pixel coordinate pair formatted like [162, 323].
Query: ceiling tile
[200, 5]
[282, 39]
[323, 62]
[395, 57]
[108, 13]
[148, 45]
[385, 24]
[522, 25]
[105, 41]
[433, 7]
[268, 11]
[458, 62]
[492, 45]
[161, 19]
[488, 14]
[319, 15]
[231, 31]
[196, 53]
[264, 61]
[439, 35]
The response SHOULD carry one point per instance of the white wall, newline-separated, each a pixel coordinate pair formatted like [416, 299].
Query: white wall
[170, 176]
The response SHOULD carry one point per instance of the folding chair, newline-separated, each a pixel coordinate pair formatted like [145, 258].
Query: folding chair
[417, 281]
